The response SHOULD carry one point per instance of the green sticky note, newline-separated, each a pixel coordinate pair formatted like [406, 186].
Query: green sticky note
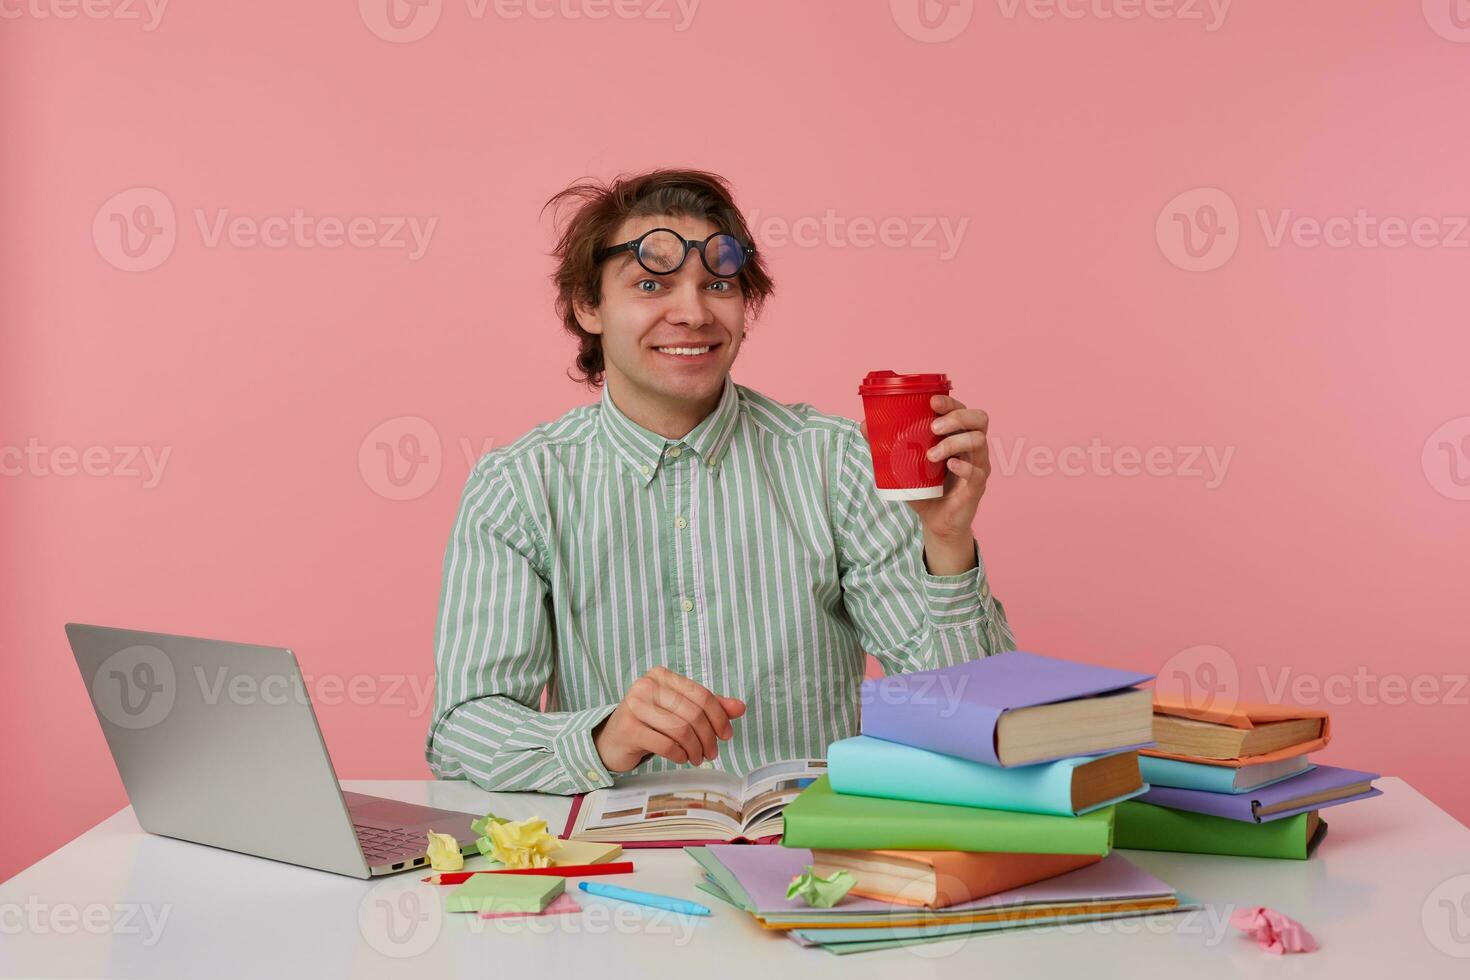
[505, 893]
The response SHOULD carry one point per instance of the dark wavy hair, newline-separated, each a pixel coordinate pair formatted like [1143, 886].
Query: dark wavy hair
[597, 210]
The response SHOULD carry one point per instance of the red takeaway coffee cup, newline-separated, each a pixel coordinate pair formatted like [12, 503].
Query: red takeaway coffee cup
[897, 410]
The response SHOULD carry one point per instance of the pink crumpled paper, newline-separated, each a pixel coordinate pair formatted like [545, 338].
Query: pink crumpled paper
[1272, 931]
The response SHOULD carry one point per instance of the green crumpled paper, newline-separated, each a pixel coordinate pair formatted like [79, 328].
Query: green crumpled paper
[515, 843]
[819, 892]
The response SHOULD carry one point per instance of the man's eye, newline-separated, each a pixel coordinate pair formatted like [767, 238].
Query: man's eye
[723, 283]
[646, 282]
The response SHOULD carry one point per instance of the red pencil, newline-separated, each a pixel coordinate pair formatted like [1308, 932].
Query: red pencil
[566, 871]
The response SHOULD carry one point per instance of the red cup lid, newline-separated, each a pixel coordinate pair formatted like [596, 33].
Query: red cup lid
[889, 383]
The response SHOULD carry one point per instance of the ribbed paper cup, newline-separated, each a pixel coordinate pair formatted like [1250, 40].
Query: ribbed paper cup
[896, 408]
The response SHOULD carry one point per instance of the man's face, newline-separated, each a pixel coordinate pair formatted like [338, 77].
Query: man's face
[642, 312]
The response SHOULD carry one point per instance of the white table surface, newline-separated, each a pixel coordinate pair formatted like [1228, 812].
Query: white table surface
[1387, 895]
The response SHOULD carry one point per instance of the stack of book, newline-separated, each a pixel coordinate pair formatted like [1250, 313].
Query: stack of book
[983, 792]
[1234, 778]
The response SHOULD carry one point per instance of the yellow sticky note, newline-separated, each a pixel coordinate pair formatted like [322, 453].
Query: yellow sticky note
[584, 852]
[444, 853]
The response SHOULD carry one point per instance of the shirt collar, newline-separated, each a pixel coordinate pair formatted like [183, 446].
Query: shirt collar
[642, 450]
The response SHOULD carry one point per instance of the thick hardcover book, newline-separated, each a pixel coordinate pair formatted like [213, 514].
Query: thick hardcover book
[821, 818]
[1144, 827]
[1322, 787]
[866, 766]
[1011, 709]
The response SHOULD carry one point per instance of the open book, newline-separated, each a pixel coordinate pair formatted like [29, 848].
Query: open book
[692, 806]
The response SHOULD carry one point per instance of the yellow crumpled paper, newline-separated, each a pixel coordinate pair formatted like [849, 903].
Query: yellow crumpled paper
[516, 843]
[444, 853]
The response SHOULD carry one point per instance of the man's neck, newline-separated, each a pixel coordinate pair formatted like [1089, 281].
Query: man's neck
[672, 420]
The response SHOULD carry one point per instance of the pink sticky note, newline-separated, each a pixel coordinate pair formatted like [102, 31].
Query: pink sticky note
[560, 905]
[1272, 931]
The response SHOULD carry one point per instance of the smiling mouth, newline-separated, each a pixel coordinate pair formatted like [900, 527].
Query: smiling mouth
[687, 353]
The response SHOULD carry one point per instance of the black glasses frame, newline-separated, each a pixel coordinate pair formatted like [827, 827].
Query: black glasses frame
[636, 247]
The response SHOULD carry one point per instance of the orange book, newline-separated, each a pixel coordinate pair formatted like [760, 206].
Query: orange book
[1232, 724]
[939, 879]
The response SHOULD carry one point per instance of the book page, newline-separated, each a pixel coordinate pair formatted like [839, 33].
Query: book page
[767, 790]
[692, 794]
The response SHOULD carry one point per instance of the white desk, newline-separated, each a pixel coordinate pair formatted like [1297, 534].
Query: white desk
[1388, 896]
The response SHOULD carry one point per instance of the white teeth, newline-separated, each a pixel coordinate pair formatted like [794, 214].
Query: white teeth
[689, 351]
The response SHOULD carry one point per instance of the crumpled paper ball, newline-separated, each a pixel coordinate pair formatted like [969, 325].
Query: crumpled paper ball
[444, 854]
[1272, 931]
[515, 843]
[819, 892]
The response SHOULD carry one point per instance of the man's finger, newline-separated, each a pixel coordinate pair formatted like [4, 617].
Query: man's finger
[667, 723]
[646, 739]
[691, 713]
[705, 701]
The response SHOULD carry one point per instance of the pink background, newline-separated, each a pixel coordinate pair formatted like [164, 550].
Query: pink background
[1334, 545]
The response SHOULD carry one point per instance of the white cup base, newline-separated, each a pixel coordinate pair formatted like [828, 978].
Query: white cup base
[914, 493]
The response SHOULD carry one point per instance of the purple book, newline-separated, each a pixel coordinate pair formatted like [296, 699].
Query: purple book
[1248, 806]
[764, 873]
[955, 710]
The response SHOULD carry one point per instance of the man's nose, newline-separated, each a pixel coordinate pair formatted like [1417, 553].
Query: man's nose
[690, 304]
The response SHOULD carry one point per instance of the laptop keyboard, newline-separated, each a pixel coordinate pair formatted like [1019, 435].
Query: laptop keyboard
[379, 844]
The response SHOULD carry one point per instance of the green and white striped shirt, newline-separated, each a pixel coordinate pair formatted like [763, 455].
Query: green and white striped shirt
[753, 556]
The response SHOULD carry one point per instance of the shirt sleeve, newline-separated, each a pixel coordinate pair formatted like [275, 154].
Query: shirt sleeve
[905, 617]
[494, 653]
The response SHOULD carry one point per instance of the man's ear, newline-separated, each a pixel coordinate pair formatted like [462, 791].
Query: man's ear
[588, 317]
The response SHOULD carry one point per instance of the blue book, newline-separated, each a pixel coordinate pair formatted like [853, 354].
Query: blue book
[864, 766]
[1220, 779]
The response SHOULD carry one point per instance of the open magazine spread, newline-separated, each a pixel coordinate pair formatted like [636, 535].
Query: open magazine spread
[695, 804]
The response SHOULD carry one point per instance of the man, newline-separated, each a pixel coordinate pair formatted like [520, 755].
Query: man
[687, 562]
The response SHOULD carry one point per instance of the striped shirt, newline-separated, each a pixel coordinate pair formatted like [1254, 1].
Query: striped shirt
[754, 556]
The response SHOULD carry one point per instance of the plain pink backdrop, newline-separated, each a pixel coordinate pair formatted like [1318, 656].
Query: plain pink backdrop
[1334, 546]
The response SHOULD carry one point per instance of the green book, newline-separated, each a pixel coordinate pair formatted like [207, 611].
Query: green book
[823, 819]
[505, 893]
[1145, 827]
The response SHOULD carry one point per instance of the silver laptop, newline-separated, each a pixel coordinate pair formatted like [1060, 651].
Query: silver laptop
[217, 743]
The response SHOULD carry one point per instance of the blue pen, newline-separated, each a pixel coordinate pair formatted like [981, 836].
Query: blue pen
[643, 898]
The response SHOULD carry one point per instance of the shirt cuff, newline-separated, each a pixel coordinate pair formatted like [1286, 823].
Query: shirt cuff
[578, 755]
[957, 600]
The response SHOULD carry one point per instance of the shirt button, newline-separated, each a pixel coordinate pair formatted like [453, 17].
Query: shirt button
[646, 470]
[593, 774]
[714, 464]
[674, 452]
[686, 605]
[680, 523]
